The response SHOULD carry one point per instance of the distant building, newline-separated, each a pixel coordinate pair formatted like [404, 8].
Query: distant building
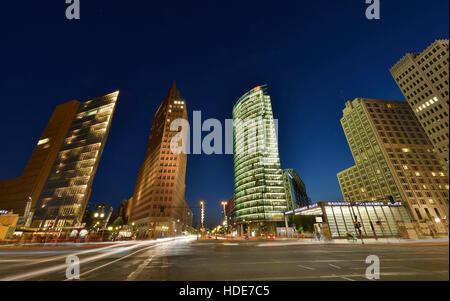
[187, 218]
[295, 189]
[424, 80]
[231, 212]
[56, 182]
[258, 184]
[394, 159]
[125, 209]
[159, 203]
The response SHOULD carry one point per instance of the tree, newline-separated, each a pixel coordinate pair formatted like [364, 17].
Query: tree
[87, 219]
[118, 222]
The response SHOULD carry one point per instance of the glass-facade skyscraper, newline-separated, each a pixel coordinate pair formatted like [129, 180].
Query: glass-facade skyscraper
[296, 195]
[258, 179]
[65, 195]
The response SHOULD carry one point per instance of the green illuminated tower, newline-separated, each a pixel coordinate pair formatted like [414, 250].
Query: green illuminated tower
[258, 178]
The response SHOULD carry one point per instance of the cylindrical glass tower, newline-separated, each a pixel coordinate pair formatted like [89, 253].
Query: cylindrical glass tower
[260, 196]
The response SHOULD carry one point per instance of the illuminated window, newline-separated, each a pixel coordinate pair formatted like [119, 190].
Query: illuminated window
[42, 141]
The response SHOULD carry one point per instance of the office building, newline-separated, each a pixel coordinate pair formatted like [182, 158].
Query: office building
[258, 179]
[394, 159]
[231, 212]
[159, 203]
[67, 189]
[424, 80]
[295, 189]
[22, 195]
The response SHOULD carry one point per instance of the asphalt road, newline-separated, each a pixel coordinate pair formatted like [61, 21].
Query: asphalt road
[186, 259]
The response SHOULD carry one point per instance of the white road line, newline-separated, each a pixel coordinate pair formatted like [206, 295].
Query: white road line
[337, 276]
[38, 261]
[111, 262]
[82, 261]
[305, 267]
[347, 260]
[17, 260]
[335, 266]
[136, 273]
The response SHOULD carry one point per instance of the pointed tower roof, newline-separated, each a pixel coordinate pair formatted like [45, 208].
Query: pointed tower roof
[173, 92]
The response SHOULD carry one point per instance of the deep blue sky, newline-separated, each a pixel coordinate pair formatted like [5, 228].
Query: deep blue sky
[306, 51]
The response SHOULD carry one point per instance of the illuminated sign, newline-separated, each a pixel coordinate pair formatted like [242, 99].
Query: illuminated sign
[306, 207]
[338, 204]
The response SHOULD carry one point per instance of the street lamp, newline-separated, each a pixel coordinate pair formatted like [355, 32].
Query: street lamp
[224, 204]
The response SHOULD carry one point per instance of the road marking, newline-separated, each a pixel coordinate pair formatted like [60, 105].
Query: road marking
[17, 260]
[347, 260]
[337, 276]
[83, 261]
[230, 244]
[335, 266]
[63, 257]
[305, 267]
[111, 262]
[384, 267]
[136, 273]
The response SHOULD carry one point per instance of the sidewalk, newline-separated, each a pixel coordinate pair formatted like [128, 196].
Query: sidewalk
[287, 241]
[307, 241]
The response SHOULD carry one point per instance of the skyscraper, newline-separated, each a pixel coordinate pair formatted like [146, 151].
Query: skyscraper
[159, 202]
[16, 193]
[424, 80]
[394, 159]
[67, 189]
[260, 199]
[296, 195]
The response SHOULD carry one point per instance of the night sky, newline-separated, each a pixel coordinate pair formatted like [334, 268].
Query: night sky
[310, 53]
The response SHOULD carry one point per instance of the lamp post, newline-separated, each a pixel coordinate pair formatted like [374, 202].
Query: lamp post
[224, 204]
[201, 216]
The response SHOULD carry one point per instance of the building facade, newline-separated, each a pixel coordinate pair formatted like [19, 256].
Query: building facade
[259, 191]
[377, 219]
[424, 81]
[67, 189]
[231, 212]
[125, 208]
[295, 189]
[159, 204]
[16, 193]
[394, 159]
